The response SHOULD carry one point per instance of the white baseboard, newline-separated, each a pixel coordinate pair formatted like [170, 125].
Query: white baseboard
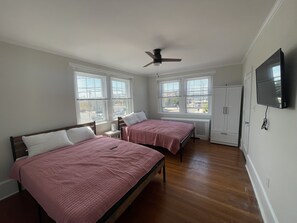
[8, 188]
[266, 209]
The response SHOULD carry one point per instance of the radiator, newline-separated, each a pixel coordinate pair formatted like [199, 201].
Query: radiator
[202, 126]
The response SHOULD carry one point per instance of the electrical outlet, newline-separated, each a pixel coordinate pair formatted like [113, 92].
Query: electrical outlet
[267, 182]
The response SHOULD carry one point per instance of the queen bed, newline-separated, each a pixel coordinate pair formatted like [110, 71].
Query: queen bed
[94, 180]
[170, 135]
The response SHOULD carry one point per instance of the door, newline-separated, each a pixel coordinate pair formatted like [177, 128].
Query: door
[218, 118]
[233, 103]
[246, 112]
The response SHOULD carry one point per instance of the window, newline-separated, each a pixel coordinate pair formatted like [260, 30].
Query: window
[96, 100]
[170, 92]
[91, 97]
[186, 95]
[121, 100]
[197, 95]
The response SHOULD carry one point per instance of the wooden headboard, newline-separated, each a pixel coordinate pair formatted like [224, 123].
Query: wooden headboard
[19, 149]
[121, 123]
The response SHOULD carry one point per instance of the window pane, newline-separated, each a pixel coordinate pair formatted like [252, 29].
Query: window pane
[81, 82]
[197, 87]
[170, 104]
[92, 110]
[170, 89]
[120, 107]
[197, 104]
[89, 87]
[120, 89]
[121, 102]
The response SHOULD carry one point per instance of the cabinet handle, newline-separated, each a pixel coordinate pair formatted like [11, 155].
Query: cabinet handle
[225, 110]
[224, 133]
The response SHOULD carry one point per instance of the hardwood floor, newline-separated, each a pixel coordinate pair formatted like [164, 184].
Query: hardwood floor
[210, 185]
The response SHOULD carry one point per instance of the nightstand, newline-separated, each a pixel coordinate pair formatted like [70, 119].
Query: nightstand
[113, 134]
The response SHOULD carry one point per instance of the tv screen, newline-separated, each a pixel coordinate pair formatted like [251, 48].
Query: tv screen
[270, 81]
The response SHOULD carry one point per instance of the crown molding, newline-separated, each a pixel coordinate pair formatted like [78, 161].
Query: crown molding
[270, 16]
[93, 70]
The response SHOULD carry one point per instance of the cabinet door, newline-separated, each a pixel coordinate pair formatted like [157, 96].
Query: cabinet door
[233, 102]
[218, 118]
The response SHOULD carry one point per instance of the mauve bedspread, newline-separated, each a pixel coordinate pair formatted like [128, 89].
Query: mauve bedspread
[167, 134]
[80, 183]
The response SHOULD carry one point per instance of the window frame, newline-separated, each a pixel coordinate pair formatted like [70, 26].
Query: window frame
[183, 95]
[208, 95]
[128, 87]
[103, 78]
[128, 98]
[160, 95]
[106, 88]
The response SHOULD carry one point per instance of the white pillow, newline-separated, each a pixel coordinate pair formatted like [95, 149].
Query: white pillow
[141, 116]
[130, 119]
[45, 142]
[76, 135]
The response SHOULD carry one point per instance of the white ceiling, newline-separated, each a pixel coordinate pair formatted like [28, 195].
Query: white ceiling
[115, 33]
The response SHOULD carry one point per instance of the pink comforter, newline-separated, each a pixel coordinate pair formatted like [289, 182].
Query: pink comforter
[80, 183]
[167, 134]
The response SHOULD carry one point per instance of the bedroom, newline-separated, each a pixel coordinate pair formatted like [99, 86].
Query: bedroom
[37, 83]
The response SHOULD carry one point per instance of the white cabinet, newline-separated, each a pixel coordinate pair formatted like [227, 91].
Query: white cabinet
[226, 115]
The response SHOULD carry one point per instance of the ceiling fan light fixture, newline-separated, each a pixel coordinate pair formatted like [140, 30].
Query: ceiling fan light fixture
[157, 58]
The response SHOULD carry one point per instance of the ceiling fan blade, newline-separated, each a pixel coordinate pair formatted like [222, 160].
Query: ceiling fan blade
[150, 54]
[171, 60]
[148, 64]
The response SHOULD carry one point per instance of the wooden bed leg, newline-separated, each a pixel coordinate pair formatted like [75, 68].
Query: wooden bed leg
[19, 186]
[39, 213]
[181, 156]
[164, 174]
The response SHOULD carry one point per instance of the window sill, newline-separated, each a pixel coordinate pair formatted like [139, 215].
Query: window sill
[184, 114]
[106, 122]
[102, 123]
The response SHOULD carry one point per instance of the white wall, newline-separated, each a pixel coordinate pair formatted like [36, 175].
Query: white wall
[273, 153]
[229, 75]
[37, 93]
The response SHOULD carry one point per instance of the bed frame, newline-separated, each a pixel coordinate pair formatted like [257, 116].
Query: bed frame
[19, 150]
[182, 144]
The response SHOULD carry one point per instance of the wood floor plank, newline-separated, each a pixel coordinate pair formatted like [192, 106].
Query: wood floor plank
[210, 185]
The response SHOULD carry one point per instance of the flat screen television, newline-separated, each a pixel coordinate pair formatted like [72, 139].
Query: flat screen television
[270, 81]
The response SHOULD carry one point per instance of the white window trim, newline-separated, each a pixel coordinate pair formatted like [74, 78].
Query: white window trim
[182, 80]
[128, 84]
[108, 75]
[104, 89]
[105, 92]
[210, 86]
[160, 92]
[97, 71]
[130, 93]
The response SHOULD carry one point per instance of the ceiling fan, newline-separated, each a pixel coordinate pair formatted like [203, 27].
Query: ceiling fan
[157, 58]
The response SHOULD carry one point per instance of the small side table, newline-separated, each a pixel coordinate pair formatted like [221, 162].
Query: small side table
[113, 134]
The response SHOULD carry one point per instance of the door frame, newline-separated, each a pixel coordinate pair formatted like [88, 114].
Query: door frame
[247, 75]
